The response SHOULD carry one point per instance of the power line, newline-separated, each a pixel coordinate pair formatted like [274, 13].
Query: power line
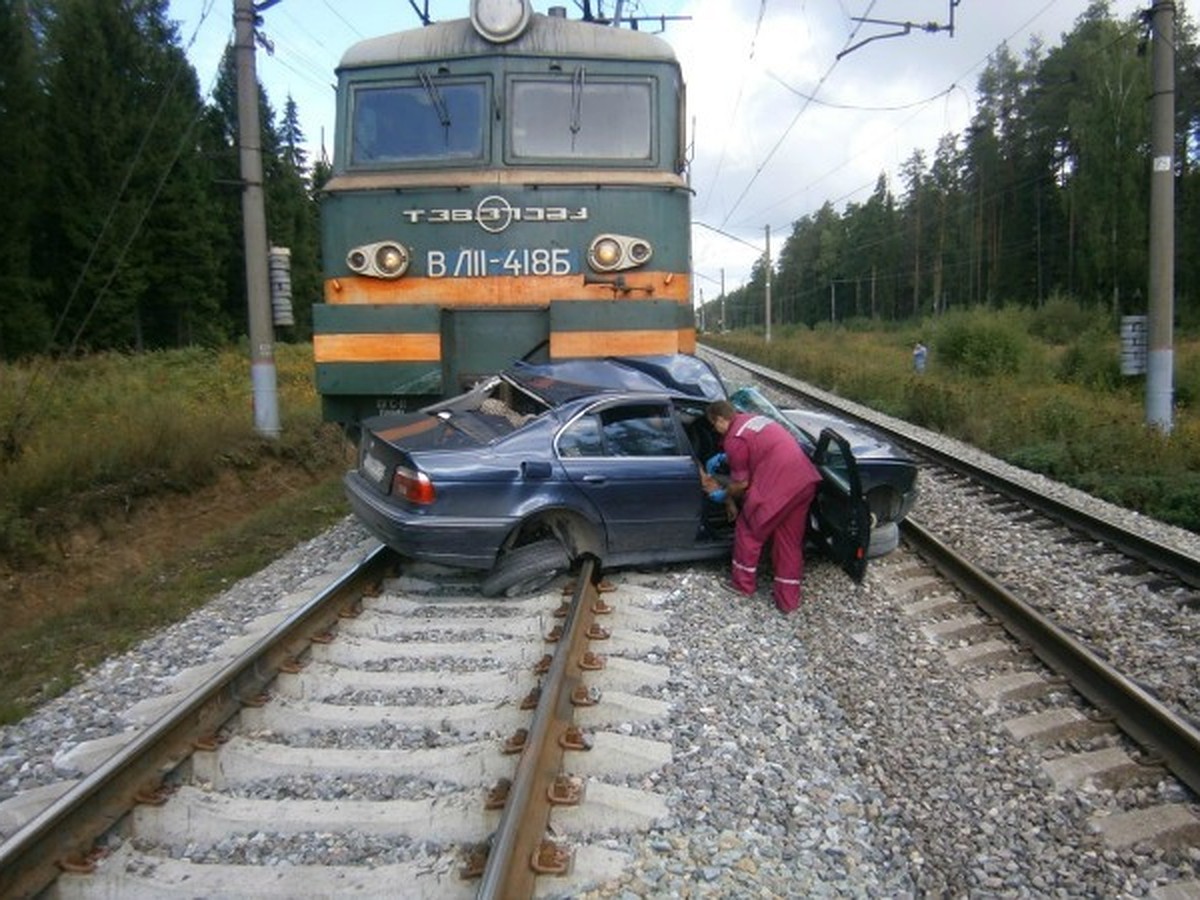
[856, 108]
[737, 103]
[21, 413]
[955, 85]
[329, 6]
[792, 124]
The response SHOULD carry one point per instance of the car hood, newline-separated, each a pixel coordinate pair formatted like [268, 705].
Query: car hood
[560, 382]
[864, 444]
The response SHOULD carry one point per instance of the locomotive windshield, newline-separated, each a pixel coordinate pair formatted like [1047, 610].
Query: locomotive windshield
[578, 118]
[419, 122]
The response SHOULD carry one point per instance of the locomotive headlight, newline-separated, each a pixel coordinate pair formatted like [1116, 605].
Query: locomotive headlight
[391, 260]
[614, 252]
[384, 259]
[605, 254]
[500, 21]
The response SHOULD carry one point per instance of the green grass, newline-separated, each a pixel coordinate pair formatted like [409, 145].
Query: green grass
[95, 447]
[85, 438]
[1041, 389]
[47, 656]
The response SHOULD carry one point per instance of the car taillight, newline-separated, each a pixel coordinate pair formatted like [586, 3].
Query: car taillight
[412, 485]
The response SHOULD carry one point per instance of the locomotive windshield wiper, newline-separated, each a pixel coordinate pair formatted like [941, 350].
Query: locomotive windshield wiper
[577, 82]
[436, 98]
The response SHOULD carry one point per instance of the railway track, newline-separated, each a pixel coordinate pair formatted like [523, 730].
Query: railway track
[410, 725]
[1163, 734]
[890, 739]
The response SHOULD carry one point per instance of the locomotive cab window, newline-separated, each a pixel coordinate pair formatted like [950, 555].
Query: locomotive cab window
[576, 117]
[427, 121]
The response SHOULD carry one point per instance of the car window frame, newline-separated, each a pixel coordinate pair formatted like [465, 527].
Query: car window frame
[596, 410]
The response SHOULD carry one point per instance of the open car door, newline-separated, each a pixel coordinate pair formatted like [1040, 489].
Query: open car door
[840, 510]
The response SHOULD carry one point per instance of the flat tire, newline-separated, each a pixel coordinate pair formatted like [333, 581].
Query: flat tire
[526, 569]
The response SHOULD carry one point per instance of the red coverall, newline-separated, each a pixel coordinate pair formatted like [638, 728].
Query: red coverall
[782, 483]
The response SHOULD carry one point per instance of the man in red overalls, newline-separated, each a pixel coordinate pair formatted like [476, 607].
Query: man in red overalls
[776, 483]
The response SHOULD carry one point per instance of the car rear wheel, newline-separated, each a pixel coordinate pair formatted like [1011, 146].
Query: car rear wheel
[526, 569]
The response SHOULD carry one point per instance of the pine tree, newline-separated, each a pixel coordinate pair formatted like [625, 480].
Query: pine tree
[291, 137]
[130, 222]
[291, 210]
[24, 322]
[292, 217]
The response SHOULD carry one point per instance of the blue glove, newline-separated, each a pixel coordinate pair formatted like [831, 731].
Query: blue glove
[715, 462]
[717, 496]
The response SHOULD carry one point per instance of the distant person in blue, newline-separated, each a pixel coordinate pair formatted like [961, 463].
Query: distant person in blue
[920, 352]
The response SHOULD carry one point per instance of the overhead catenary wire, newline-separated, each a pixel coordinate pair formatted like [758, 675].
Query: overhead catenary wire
[811, 99]
[737, 103]
[779, 143]
[755, 219]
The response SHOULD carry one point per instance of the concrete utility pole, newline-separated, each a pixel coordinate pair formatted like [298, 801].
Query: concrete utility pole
[767, 298]
[1160, 360]
[724, 323]
[254, 223]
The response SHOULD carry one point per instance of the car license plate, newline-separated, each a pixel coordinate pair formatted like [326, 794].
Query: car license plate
[374, 469]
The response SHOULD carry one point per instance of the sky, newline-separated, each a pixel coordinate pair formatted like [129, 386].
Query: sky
[791, 103]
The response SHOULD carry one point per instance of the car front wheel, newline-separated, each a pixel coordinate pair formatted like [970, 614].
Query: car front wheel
[885, 538]
[526, 569]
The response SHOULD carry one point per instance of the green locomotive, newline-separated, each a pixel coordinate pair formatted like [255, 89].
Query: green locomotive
[506, 186]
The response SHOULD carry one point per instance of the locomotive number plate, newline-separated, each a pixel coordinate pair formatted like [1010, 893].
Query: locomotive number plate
[517, 262]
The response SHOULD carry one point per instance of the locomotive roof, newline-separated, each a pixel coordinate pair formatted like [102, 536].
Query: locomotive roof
[545, 36]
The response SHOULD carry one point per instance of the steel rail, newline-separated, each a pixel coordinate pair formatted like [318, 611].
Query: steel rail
[509, 873]
[66, 831]
[1160, 731]
[1159, 556]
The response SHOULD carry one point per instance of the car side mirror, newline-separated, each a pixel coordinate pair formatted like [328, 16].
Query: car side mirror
[536, 469]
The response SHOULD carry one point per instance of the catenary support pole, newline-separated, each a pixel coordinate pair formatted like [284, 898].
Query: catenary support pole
[767, 298]
[1160, 361]
[258, 297]
[724, 321]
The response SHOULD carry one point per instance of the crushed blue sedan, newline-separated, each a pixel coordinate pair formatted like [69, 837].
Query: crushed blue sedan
[543, 464]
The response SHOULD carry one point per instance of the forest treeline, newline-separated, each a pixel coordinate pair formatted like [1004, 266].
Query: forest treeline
[122, 220]
[1045, 195]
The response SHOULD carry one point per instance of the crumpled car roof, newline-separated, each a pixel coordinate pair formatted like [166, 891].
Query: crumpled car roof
[561, 382]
